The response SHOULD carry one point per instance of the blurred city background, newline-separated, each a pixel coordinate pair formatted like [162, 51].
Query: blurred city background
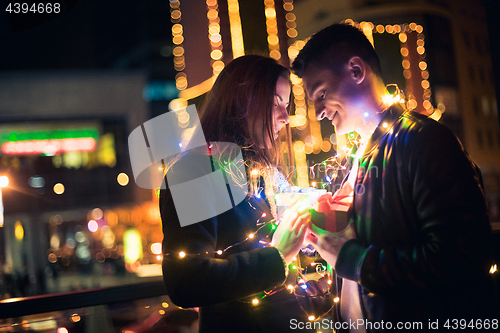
[72, 89]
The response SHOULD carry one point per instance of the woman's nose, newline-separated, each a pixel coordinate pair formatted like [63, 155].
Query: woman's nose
[286, 116]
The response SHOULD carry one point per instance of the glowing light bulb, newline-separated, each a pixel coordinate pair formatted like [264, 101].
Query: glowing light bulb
[219, 252]
[58, 188]
[122, 179]
[92, 226]
[311, 318]
[493, 269]
[182, 254]
[387, 99]
[251, 235]
[263, 215]
[155, 248]
[4, 181]
[255, 301]
[336, 299]
[304, 286]
[385, 125]
[366, 114]
[290, 287]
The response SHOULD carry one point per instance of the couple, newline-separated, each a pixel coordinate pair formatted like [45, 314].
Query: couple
[418, 248]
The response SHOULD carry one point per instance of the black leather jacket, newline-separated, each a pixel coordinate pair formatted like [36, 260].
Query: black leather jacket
[424, 242]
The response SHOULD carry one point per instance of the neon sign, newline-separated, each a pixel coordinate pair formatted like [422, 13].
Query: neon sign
[49, 147]
[47, 139]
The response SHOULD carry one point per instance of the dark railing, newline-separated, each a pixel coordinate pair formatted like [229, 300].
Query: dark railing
[23, 306]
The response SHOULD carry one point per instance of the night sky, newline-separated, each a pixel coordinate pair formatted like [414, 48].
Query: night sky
[93, 34]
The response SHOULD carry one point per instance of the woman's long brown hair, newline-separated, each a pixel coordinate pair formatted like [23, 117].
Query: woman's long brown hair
[239, 108]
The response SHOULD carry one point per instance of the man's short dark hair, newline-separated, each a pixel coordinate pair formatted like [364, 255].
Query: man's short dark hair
[338, 42]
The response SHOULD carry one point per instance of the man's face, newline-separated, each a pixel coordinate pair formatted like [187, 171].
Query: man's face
[333, 96]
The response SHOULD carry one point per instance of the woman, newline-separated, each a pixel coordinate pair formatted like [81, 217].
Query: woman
[227, 265]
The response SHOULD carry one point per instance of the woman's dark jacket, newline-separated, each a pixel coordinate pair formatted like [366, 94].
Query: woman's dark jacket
[223, 286]
[424, 243]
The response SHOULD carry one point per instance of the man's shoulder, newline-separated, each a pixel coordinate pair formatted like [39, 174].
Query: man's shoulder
[417, 130]
[421, 126]
[422, 121]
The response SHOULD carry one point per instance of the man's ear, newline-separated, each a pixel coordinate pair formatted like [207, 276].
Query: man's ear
[357, 69]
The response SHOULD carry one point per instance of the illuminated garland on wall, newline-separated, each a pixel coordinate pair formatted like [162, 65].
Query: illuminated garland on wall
[403, 31]
[272, 30]
[178, 50]
[290, 20]
[214, 36]
[235, 28]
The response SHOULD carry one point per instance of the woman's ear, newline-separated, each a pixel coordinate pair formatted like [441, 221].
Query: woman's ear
[357, 69]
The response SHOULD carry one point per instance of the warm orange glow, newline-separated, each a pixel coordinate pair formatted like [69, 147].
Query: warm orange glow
[4, 181]
[59, 188]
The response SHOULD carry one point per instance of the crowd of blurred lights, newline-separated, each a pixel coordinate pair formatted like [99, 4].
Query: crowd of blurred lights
[129, 233]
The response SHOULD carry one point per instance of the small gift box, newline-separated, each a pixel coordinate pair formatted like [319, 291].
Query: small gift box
[308, 197]
[331, 213]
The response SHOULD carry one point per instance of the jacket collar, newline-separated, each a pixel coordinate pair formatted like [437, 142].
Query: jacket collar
[392, 114]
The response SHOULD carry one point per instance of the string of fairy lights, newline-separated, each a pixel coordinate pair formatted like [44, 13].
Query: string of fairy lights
[299, 287]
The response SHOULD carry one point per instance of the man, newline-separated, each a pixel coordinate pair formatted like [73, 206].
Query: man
[418, 250]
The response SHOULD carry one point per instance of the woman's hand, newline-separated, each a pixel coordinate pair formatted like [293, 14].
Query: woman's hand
[289, 236]
[328, 244]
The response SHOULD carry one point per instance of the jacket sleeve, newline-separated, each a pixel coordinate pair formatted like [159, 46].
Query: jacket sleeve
[453, 243]
[198, 278]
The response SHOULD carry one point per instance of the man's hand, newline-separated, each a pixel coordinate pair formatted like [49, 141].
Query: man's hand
[289, 236]
[328, 244]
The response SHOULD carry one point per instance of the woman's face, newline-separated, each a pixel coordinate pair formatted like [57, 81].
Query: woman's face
[280, 108]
